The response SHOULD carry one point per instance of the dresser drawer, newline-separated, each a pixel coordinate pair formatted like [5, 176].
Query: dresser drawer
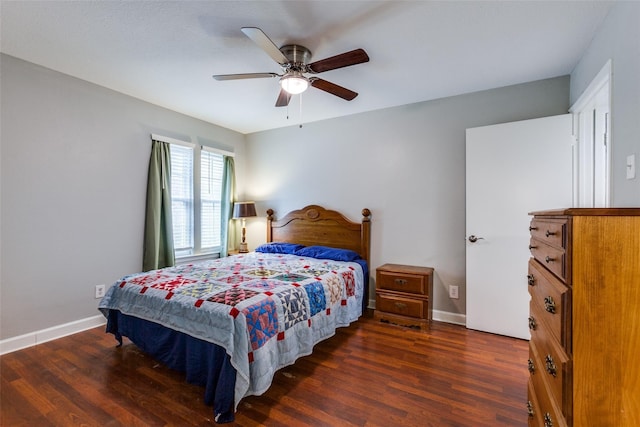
[402, 281]
[550, 304]
[549, 411]
[552, 366]
[553, 258]
[553, 232]
[534, 413]
[390, 302]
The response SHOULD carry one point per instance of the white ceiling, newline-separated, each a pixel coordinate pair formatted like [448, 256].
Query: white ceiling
[165, 52]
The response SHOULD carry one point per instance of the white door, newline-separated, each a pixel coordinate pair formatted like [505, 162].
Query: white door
[511, 170]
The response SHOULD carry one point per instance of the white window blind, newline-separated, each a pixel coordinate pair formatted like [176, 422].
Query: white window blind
[182, 198]
[196, 196]
[211, 170]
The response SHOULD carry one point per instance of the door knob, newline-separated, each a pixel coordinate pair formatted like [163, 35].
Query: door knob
[473, 238]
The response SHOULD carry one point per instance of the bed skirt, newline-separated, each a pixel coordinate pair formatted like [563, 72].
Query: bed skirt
[204, 363]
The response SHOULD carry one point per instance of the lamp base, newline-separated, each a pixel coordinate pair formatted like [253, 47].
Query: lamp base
[243, 248]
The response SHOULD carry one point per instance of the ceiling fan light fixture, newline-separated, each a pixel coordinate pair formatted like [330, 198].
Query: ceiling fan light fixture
[294, 82]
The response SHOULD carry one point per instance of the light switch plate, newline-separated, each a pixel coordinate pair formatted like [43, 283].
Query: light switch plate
[631, 166]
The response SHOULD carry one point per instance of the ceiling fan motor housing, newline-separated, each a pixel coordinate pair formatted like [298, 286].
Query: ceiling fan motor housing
[296, 54]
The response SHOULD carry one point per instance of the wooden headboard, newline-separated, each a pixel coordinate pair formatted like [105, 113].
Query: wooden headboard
[315, 225]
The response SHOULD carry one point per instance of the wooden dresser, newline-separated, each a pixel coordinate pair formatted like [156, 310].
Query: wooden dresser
[404, 294]
[584, 353]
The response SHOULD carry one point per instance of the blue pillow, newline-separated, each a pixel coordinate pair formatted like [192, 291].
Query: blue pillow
[279, 248]
[324, 252]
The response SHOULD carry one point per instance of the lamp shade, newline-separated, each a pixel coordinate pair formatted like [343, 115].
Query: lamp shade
[244, 209]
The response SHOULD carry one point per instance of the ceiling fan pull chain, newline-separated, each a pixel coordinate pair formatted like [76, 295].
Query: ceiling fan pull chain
[300, 110]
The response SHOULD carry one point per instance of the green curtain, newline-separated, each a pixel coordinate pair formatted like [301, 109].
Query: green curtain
[228, 198]
[158, 227]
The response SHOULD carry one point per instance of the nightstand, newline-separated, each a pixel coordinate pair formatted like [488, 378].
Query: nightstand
[404, 295]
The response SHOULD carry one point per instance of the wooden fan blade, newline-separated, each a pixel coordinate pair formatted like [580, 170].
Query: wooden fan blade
[283, 98]
[244, 76]
[265, 43]
[346, 59]
[333, 89]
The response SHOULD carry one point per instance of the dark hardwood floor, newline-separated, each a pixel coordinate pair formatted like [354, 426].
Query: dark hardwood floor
[369, 374]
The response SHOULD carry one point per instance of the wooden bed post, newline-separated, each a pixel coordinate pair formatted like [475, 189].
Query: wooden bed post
[366, 233]
[269, 220]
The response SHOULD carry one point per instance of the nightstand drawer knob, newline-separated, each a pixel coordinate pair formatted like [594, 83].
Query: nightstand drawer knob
[401, 306]
[532, 323]
[531, 367]
[530, 409]
[400, 281]
[550, 233]
[531, 280]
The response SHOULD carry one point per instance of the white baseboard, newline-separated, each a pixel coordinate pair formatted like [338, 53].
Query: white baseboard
[38, 337]
[445, 316]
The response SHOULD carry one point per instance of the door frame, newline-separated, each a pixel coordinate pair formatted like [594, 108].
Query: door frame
[585, 171]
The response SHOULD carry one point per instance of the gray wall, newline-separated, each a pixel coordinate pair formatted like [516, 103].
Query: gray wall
[406, 164]
[74, 162]
[619, 40]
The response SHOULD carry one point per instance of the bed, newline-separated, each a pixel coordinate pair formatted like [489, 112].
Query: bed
[229, 324]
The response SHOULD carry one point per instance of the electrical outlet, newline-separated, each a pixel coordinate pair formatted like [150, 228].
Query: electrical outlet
[453, 292]
[99, 291]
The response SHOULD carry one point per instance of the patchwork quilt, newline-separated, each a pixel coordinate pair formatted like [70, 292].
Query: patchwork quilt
[265, 309]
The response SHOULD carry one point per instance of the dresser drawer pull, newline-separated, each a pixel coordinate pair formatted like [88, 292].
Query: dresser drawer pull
[532, 323]
[531, 247]
[531, 228]
[400, 281]
[550, 233]
[548, 422]
[530, 409]
[550, 305]
[550, 365]
[401, 306]
[531, 367]
[531, 280]
[548, 259]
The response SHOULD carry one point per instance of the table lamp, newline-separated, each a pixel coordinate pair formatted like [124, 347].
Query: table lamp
[243, 210]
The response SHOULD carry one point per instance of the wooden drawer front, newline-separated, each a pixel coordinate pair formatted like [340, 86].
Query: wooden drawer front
[395, 304]
[550, 304]
[552, 232]
[534, 413]
[550, 412]
[552, 363]
[401, 282]
[552, 258]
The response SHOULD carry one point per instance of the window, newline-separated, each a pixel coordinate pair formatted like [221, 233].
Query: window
[196, 190]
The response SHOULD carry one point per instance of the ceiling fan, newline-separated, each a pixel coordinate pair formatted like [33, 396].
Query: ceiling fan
[294, 60]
